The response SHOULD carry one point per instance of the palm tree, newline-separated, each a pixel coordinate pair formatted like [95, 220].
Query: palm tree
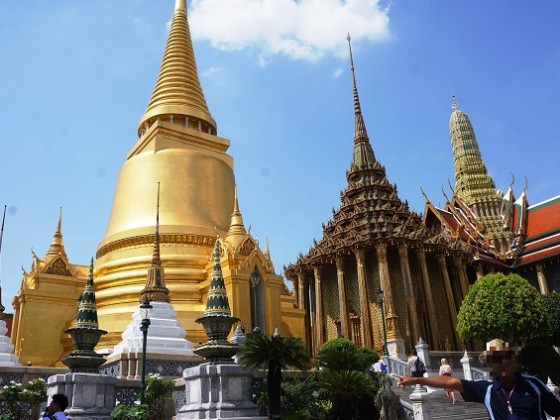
[343, 373]
[349, 389]
[276, 353]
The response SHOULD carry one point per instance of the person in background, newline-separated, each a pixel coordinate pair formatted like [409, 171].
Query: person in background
[55, 410]
[380, 366]
[446, 370]
[510, 395]
[412, 366]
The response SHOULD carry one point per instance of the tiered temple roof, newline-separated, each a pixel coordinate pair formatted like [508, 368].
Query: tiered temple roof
[371, 210]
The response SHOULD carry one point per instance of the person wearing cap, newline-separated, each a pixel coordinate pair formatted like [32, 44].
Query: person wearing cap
[510, 395]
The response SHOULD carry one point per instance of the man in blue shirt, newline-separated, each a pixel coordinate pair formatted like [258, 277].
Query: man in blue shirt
[509, 396]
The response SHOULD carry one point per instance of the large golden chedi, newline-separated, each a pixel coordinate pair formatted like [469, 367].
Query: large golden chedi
[177, 147]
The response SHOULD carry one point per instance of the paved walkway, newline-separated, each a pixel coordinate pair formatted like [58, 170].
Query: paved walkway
[441, 407]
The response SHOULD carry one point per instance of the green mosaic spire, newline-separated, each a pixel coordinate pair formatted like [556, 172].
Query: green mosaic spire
[217, 303]
[87, 311]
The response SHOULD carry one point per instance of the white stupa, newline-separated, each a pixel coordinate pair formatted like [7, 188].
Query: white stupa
[165, 334]
[7, 357]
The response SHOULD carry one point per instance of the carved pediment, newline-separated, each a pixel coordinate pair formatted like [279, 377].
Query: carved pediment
[58, 267]
[246, 247]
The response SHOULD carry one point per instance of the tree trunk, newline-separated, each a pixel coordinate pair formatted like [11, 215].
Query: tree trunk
[274, 393]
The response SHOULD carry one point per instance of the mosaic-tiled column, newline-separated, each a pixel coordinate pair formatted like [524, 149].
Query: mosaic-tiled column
[318, 309]
[541, 277]
[429, 299]
[301, 290]
[364, 304]
[448, 292]
[384, 276]
[409, 291]
[447, 286]
[344, 319]
[462, 273]
[479, 270]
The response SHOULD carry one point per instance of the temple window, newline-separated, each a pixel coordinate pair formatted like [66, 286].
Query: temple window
[258, 305]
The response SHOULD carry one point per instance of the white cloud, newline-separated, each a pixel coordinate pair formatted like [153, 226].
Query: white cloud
[299, 29]
[337, 73]
[212, 72]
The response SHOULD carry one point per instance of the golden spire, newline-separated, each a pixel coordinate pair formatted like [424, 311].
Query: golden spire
[363, 153]
[178, 93]
[155, 289]
[57, 245]
[236, 228]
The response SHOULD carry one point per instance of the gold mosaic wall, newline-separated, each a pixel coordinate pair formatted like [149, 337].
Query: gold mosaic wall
[443, 318]
[352, 289]
[399, 295]
[418, 292]
[372, 281]
[331, 310]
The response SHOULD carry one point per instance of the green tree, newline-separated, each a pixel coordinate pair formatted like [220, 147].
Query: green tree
[276, 353]
[552, 304]
[343, 373]
[158, 390]
[342, 354]
[502, 306]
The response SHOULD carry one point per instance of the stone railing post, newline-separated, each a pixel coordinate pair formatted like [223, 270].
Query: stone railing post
[466, 362]
[420, 403]
[423, 352]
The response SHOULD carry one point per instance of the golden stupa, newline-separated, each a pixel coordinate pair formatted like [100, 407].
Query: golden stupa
[177, 147]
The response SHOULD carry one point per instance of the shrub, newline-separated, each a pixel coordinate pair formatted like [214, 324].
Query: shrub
[130, 412]
[158, 390]
[20, 397]
[502, 306]
[342, 354]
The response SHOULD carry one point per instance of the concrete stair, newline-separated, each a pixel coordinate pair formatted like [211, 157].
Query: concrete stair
[441, 408]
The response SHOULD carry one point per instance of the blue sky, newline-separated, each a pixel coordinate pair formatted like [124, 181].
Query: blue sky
[75, 78]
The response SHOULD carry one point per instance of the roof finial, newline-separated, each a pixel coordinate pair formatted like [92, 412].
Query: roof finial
[57, 245]
[357, 108]
[454, 102]
[363, 156]
[236, 230]
[180, 4]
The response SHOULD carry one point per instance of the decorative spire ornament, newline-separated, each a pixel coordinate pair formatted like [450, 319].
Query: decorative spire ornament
[217, 320]
[155, 289]
[85, 334]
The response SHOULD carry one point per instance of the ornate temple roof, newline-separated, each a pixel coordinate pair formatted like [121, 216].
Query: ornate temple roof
[490, 222]
[177, 90]
[371, 210]
[542, 238]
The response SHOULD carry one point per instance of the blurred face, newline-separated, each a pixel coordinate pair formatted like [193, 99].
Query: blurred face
[54, 407]
[503, 365]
